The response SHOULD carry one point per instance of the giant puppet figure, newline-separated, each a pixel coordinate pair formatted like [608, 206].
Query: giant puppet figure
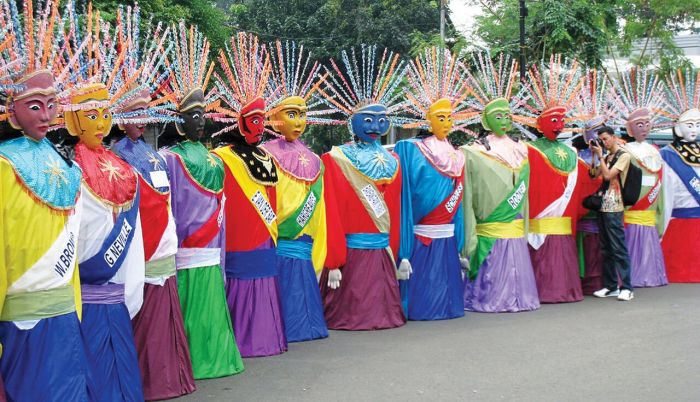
[163, 353]
[500, 277]
[431, 193]
[363, 196]
[196, 181]
[639, 98]
[681, 240]
[593, 107]
[554, 200]
[43, 352]
[110, 245]
[301, 209]
[252, 286]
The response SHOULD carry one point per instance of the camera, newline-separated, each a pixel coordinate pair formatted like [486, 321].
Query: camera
[596, 142]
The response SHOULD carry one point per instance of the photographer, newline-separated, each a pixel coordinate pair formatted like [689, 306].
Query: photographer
[616, 261]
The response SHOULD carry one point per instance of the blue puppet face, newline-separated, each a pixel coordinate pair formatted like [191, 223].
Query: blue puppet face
[370, 123]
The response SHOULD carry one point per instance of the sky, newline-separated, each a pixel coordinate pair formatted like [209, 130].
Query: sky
[462, 15]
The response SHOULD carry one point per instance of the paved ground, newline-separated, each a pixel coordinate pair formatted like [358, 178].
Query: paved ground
[647, 349]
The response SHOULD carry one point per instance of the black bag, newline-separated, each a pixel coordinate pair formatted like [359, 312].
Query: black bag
[595, 201]
[632, 188]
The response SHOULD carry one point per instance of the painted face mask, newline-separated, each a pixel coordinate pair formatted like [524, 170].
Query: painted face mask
[290, 118]
[140, 103]
[496, 117]
[92, 120]
[639, 124]
[370, 122]
[191, 111]
[34, 109]
[688, 125]
[440, 118]
[551, 122]
[591, 128]
[251, 122]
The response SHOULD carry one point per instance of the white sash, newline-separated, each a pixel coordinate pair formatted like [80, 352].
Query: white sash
[55, 268]
[555, 209]
[194, 257]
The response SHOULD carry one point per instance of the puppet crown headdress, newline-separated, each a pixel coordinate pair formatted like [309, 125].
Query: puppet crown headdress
[191, 69]
[366, 80]
[436, 75]
[246, 66]
[635, 89]
[683, 93]
[594, 105]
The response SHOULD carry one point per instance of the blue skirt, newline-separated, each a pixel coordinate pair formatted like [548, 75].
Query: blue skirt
[301, 300]
[435, 289]
[47, 362]
[110, 341]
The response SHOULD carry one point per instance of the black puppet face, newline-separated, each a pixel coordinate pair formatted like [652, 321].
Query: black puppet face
[192, 113]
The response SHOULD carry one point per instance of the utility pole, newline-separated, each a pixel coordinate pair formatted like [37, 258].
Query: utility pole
[442, 21]
[523, 62]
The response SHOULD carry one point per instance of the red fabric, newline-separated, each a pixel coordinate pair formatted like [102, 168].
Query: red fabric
[548, 184]
[345, 213]
[154, 216]
[440, 215]
[245, 230]
[107, 175]
[644, 203]
[207, 232]
[680, 255]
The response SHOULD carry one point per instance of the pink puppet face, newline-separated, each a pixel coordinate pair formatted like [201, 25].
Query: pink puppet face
[34, 109]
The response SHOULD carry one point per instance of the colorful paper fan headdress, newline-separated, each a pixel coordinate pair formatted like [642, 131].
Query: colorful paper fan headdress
[638, 93]
[594, 105]
[683, 95]
[292, 78]
[246, 67]
[191, 69]
[551, 87]
[435, 78]
[492, 86]
[365, 80]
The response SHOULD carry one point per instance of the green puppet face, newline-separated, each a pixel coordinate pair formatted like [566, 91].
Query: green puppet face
[496, 117]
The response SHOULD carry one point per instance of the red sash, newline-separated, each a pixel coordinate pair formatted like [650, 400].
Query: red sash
[448, 207]
[154, 217]
[645, 202]
[208, 231]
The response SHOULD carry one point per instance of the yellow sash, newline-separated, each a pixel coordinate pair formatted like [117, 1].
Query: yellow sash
[254, 192]
[502, 230]
[551, 226]
[643, 218]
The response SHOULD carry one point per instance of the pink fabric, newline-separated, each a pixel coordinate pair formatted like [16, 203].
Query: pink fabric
[506, 150]
[442, 155]
[294, 158]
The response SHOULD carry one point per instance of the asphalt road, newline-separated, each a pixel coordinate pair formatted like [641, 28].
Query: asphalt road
[644, 350]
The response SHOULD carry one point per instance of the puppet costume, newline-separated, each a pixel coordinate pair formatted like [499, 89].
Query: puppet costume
[554, 196]
[500, 276]
[301, 210]
[196, 180]
[252, 285]
[363, 198]
[43, 353]
[431, 192]
[681, 187]
[639, 98]
[159, 333]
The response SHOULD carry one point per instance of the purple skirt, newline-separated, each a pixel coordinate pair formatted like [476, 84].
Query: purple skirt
[556, 270]
[256, 314]
[368, 297]
[161, 344]
[593, 259]
[505, 282]
[646, 258]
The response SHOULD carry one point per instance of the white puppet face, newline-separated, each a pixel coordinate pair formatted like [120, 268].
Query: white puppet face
[688, 125]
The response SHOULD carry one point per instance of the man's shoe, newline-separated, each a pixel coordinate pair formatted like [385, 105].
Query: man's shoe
[625, 295]
[605, 292]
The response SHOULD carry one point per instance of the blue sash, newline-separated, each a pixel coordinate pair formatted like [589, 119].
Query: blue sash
[367, 241]
[254, 264]
[298, 249]
[102, 266]
[684, 171]
[685, 213]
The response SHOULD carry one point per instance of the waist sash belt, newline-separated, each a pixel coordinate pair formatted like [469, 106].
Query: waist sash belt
[686, 212]
[194, 257]
[294, 249]
[551, 225]
[37, 305]
[111, 293]
[254, 264]
[642, 218]
[367, 241]
[502, 230]
[435, 231]
[163, 268]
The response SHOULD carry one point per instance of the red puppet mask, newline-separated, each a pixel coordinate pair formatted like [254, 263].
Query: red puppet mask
[251, 121]
[551, 122]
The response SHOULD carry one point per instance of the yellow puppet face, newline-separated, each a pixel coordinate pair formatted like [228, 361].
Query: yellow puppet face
[289, 118]
[440, 118]
[93, 121]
